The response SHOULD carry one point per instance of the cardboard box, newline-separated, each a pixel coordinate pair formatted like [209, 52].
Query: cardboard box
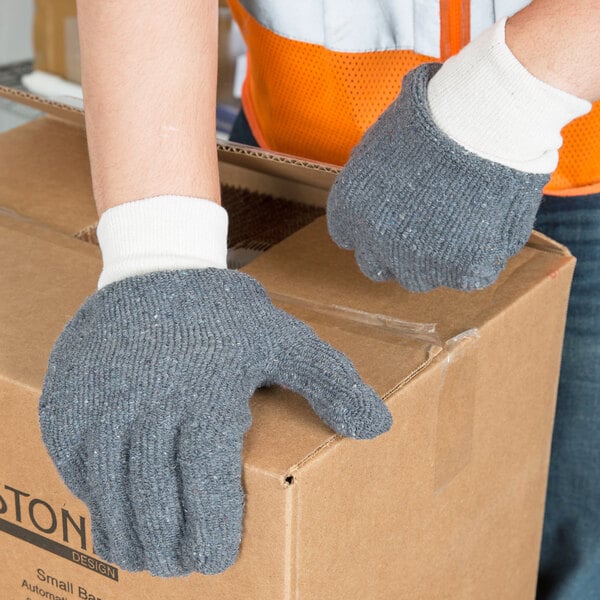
[447, 505]
[56, 39]
[60, 195]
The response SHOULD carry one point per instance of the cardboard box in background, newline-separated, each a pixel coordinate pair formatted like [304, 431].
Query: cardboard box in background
[447, 505]
[55, 39]
[56, 45]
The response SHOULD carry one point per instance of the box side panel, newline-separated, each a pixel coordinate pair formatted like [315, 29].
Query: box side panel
[43, 283]
[449, 503]
[44, 529]
[44, 278]
[45, 175]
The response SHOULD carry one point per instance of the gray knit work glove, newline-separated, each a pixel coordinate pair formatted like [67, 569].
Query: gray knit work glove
[417, 207]
[145, 404]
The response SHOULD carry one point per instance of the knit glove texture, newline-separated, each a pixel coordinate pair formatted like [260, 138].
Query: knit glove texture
[146, 401]
[417, 207]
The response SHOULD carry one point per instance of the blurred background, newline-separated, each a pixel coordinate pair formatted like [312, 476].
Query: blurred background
[16, 56]
[39, 53]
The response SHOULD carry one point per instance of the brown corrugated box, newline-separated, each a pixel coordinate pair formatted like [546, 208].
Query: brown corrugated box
[447, 505]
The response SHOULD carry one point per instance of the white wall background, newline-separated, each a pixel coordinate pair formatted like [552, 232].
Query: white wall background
[16, 23]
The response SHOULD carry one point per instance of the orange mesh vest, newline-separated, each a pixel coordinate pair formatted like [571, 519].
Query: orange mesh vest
[317, 78]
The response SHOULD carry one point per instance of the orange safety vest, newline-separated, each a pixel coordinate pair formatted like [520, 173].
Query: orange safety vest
[320, 72]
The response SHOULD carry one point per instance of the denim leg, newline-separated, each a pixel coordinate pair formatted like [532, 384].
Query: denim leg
[241, 131]
[570, 558]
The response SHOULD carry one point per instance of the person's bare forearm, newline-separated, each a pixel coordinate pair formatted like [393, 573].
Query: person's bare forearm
[557, 42]
[149, 83]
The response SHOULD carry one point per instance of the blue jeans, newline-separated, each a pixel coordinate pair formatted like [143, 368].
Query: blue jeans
[241, 131]
[570, 559]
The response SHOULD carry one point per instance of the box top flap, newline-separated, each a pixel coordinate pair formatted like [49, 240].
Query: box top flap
[542, 242]
[308, 266]
[51, 107]
[307, 272]
[315, 174]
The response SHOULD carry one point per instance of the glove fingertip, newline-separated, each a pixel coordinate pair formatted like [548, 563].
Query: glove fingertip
[371, 423]
[339, 233]
[216, 561]
[360, 414]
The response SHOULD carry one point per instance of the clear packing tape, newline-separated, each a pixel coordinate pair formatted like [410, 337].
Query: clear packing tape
[457, 368]
[237, 257]
[426, 332]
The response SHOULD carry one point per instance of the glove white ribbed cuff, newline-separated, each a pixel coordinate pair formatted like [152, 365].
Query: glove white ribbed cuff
[162, 233]
[487, 101]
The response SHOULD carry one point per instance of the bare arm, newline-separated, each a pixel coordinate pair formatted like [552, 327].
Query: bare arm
[149, 81]
[557, 42]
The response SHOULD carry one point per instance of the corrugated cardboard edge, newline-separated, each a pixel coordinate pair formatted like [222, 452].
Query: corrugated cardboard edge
[288, 477]
[56, 109]
[315, 174]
